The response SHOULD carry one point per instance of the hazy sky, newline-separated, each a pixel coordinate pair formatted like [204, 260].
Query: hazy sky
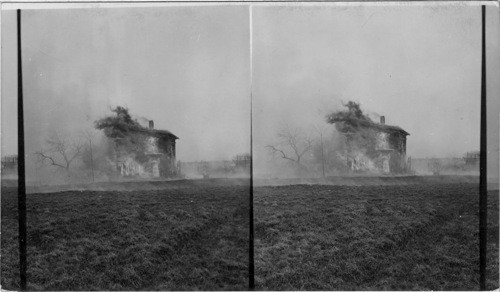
[418, 66]
[188, 69]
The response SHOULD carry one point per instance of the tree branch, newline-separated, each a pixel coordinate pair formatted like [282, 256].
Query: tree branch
[78, 149]
[46, 157]
[308, 146]
[283, 155]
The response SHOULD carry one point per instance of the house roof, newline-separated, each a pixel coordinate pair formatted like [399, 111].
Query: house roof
[389, 128]
[380, 127]
[155, 132]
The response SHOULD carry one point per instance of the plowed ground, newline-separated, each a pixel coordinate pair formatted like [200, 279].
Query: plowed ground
[191, 237]
[411, 237]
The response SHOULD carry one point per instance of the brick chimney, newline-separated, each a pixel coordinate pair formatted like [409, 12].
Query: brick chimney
[382, 120]
[151, 125]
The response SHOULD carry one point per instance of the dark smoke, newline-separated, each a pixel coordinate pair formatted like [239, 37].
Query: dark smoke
[126, 134]
[354, 125]
[120, 125]
[350, 120]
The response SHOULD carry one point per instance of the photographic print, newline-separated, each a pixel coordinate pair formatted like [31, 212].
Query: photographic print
[250, 146]
[366, 126]
[137, 139]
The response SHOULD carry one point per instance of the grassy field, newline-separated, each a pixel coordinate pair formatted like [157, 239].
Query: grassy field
[193, 235]
[406, 237]
[185, 237]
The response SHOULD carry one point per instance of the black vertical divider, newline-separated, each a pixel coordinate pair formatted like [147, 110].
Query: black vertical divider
[21, 197]
[251, 265]
[483, 192]
[251, 257]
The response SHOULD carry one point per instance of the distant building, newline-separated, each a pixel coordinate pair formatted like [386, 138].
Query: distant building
[472, 158]
[156, 159]
[9, 164]
[446, 165]
[239, 166]
[243, 161]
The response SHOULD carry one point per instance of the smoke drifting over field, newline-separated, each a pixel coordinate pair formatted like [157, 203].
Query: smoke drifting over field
[186, 68]
[310, 60]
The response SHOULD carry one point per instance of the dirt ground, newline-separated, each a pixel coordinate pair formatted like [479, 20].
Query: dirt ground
[344, 234]
[390, 237]
[182, 236]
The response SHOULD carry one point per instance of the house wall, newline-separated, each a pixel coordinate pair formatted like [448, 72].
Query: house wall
[152, 145]
[388, 156]
[158, 159]
[167, 162]
[397, 141]
[383, 141]
[166, 145]
[392, 155]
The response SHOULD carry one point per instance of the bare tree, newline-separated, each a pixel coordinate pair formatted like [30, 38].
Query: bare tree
[61, 152]
[293, 144]
[321, 130]
[89, 135]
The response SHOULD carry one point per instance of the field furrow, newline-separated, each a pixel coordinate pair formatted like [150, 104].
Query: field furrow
[411, 237]
[183, 238]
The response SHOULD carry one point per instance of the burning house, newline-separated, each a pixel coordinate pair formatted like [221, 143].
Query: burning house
[390, 149]
[137, 150]
[377, 147]
[370, 146]
[151, 153]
